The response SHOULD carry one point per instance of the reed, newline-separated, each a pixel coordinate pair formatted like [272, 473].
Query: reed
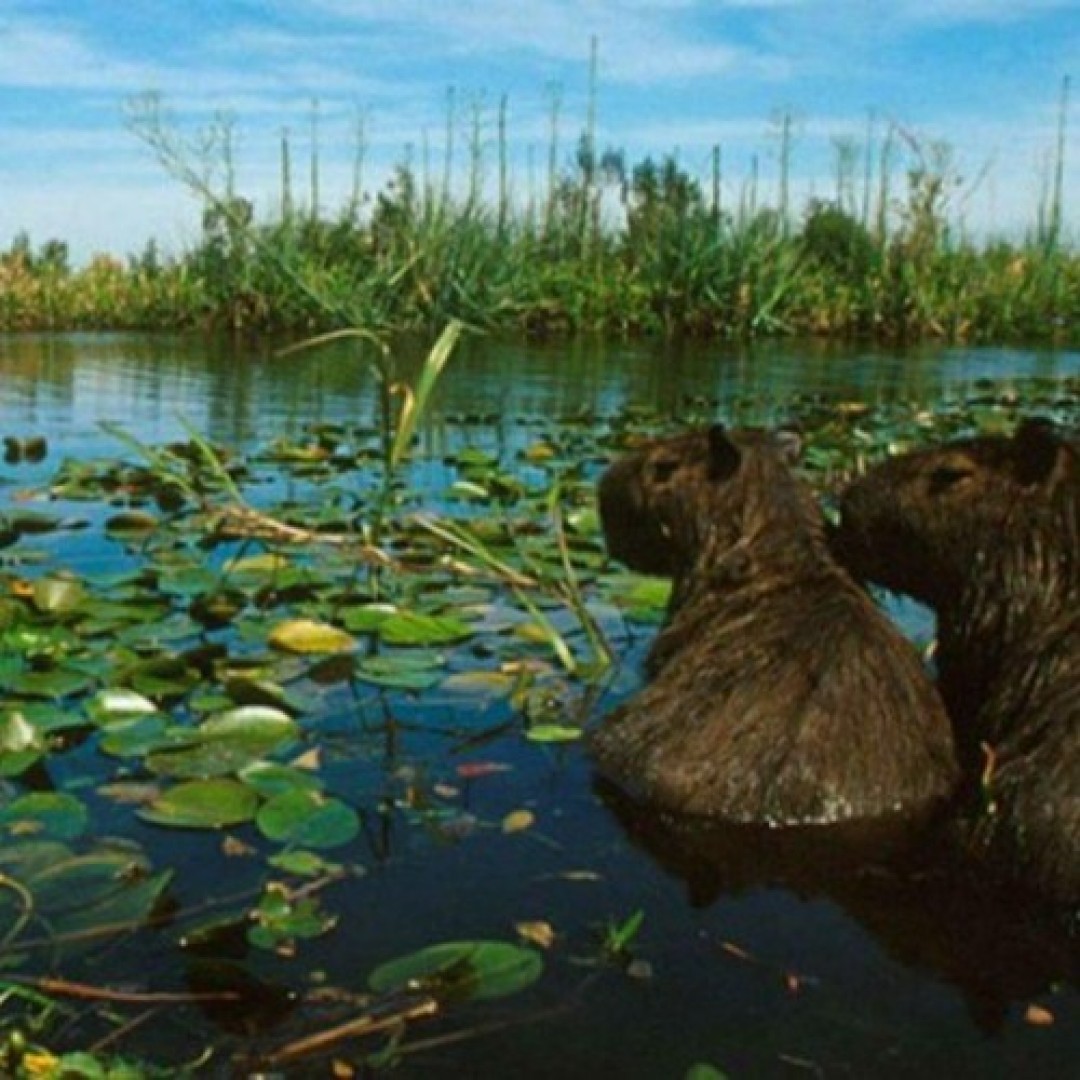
[605, 245]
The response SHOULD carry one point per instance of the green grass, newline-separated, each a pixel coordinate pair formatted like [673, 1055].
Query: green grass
[611, 247]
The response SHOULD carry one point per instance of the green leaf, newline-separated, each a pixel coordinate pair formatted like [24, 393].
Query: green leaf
[308, 819]
[270, 778]
[118, 704]
[203, 804]
[50, 683]
[415, 628]
[303, 864]
[553, 733]
[367, 617]
[402, 672]
[259, 566]
[701, 1070]
[474, 682]
[462, 970]
[225, 743]
[45, 813]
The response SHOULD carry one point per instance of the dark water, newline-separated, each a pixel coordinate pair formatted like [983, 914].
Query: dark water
[765, 958]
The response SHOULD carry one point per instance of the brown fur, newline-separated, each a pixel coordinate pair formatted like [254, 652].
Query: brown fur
[780, 693]
[987, 531]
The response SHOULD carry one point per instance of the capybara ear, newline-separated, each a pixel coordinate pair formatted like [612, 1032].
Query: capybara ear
[1037, 446]
[792, 443]
[724, 455]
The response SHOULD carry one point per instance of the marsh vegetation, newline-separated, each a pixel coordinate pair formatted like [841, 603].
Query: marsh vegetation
[599, 243]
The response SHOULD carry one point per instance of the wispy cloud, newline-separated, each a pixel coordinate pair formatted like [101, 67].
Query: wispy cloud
[673, 74]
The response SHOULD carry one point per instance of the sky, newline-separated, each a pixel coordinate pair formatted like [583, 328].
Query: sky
[384, 77]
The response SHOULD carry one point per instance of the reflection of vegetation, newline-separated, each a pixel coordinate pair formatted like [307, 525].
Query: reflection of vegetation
[286, 707]
[603, 244]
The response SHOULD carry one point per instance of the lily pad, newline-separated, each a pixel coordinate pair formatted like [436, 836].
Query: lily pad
[310, 636]
[269, 778]
[53, 683]
[225, 743]
[44, 814]
[401, 672]
[416, 628]
[308, 819]
[462, 970]
[118, 704]
[58, 595]
[553, 733]
[131, 522]
[203, 804]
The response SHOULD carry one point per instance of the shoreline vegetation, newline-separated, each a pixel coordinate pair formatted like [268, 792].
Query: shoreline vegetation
[603, 245]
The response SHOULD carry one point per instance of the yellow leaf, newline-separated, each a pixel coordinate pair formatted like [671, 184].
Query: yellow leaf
[536, 933]
[310, 760]
[518, 821]
[1038, 1016]
[539, 451]
[310, 636]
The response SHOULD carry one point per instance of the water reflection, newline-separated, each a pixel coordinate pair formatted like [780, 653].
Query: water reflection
[924, 903]
[238, 392]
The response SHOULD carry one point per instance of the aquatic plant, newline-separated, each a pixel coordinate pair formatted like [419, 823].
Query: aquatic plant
[607, 245]
[246, 691]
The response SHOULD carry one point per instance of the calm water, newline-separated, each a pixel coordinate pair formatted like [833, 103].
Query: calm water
[763, 962]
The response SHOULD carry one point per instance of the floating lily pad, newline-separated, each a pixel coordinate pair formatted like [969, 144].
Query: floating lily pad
[308, 819]
[257, 565]
[366, 618]
[462, 970]
[245, 690]
[131, 522]
[303, 864]
[203, 804]
[269, 778]
[161, 677]
[553, 733]
[487, 682]
[53, 683]
[52, 814]
[279, 920]
[58, 595]
[225, 743]
[118, 704]
[135, 736]
[415, 628]
[29, 522]
[310, 636]
[402, 672]
[217, 608]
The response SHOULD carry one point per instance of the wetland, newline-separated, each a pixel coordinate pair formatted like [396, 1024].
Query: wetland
[304, 738]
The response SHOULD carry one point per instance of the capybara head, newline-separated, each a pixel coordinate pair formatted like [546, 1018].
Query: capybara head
[921, 522]
[661, 504]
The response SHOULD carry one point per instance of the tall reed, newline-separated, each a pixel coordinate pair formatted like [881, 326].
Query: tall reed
[605, 244]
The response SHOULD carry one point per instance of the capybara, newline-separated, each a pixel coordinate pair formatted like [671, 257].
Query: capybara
[986, 531]
[780, 694]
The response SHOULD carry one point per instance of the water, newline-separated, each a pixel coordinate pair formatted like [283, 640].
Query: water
[763, 962]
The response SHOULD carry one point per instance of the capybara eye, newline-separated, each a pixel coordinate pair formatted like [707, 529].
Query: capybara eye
[663, 470]
[945, 477]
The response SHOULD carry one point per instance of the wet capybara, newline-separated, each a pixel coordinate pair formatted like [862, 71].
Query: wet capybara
[987, 532]
[780, 694]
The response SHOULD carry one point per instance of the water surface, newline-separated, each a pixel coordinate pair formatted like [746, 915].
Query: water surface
[762, 962]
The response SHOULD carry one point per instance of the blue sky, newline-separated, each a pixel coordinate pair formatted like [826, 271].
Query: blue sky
[674, 76]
